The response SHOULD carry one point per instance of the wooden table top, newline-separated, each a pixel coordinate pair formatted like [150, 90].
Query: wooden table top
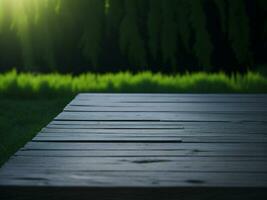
[148, 141]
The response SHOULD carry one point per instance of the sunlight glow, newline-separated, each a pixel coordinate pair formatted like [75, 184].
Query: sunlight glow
[21, 16]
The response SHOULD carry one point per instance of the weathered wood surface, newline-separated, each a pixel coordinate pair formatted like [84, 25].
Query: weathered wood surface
[146, 141]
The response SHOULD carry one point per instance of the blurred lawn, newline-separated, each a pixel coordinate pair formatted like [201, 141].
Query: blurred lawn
[36, 85]
[21, 119]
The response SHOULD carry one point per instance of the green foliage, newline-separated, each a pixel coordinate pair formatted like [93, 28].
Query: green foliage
[1, 15]
[93, 29]
[115, 13]
[169, 33]
[13, 84]
[43, 38]
[183, 14]
[221, 5]
[154, 27]
[203, 46]
[21, 24]
[130, 38]
[239, 30]
[263, 4]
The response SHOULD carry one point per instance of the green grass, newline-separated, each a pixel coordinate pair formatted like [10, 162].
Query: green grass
[20, 120]
[36, 85]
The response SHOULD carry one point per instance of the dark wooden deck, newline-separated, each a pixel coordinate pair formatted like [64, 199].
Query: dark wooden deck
[146, 146]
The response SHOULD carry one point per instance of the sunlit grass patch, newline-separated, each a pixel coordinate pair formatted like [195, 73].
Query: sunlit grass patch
[40, 85]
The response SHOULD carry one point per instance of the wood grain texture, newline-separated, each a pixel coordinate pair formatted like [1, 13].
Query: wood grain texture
[158, 131]
[167, 165]
[175, 107]
[159, 116]
[69, 178]
[145, 141]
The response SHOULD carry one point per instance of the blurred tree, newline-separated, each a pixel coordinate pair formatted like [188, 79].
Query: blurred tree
[262, 28]
[238, 31]
[169, 33]
[43, 23]
[130, 38]
[154, 27]
[94, 12]
[2, 15]
[222, 5]
[183, 13]
[115, 12]
[21, 22]
[203, 46]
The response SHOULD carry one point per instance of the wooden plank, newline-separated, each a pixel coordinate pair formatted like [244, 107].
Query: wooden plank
[135, 160]
[140, 126]
[179, 107]
[144, 116]
[147, 138]
[213, 131]
[195, 95]
[108, 133]
[156, 102]
[174, 98]
[187, 147]
[166, 104]
[168, 94]
[44, 177]
[98, 138]
[150, 155]
[164, 100]
[67, 152]
[112, 123]
[114, 164]
[103, 126]
[164, 123]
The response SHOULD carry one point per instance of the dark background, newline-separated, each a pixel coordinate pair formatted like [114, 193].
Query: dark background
[133, 35]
